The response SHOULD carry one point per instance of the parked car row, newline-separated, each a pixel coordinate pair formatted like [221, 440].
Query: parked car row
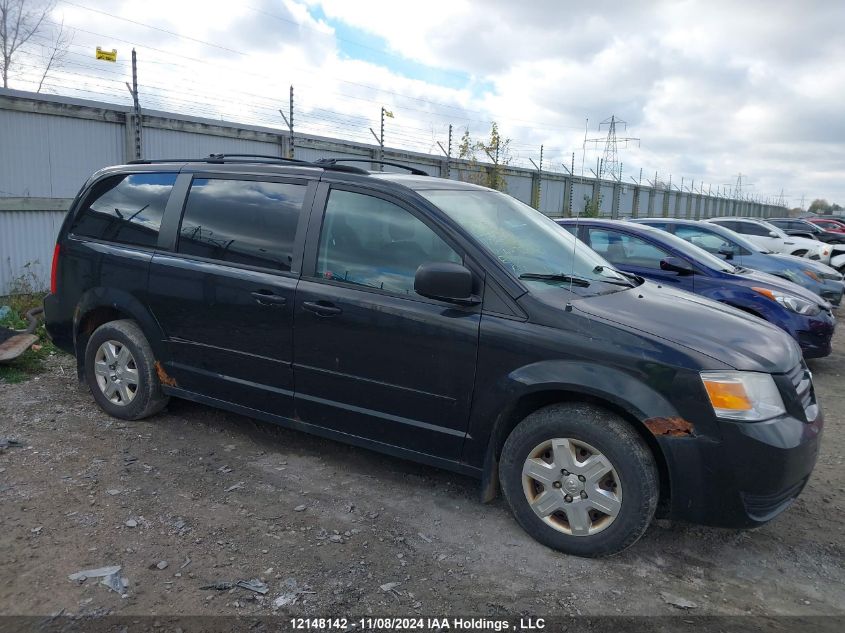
[450, 324]
[665, 251]
[774, 239]
[799, 227]
[742, 253]
[829, 224]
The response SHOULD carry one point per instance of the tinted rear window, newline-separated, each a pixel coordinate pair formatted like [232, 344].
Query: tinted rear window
[242, 221]
[126, 209]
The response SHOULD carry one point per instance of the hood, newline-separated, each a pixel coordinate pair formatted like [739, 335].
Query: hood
[812, 264]
[719, 331]
[804, 242]
[778, 283]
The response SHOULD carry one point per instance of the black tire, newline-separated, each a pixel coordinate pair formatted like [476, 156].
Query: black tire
[614, 438]
[148, 398]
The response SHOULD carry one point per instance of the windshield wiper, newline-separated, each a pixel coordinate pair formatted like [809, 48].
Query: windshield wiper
[576, 281]
[616, 282]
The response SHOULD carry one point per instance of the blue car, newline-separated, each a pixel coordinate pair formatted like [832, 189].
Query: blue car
[742, 253]
[675, 263]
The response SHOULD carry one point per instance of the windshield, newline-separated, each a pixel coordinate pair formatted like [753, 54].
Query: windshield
[774, 228]
[732, 237]
[526, 241]
[691, 250]
[812, 228]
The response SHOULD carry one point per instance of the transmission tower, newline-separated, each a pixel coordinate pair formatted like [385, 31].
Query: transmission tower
[739, 185]
[610, 164]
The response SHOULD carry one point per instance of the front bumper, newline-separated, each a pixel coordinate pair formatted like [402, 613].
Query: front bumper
[815, 335]
[832, 291]
[747, 477]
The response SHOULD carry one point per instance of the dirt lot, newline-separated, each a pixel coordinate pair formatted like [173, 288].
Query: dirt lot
[197, 496]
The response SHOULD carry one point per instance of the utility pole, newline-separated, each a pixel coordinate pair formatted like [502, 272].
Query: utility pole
[380, 136]
[611, 147]
[538, 183]
[584, 145]
[133, 90]
[381, 139]
[289, 121]
[290, 104]
[448, 153]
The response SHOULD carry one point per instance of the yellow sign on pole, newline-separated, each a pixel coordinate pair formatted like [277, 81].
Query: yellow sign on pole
[109, 56]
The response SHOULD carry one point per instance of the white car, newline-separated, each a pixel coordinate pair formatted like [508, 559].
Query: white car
[771, 238]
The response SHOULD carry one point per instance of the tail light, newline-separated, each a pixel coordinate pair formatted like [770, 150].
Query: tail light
[54, 286]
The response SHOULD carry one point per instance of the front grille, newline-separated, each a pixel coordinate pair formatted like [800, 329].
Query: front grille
[802, 380]
[764, 507]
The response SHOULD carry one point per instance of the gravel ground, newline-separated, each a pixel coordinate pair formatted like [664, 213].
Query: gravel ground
[197, 496]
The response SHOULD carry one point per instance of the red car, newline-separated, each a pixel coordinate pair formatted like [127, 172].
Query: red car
[828, 224]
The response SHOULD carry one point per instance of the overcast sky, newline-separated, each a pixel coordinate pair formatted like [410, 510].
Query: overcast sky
[712, 89]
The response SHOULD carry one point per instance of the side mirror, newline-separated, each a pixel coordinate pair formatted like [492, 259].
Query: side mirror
[772, 234]
[676, 265]
[445, 281]
[727, 253]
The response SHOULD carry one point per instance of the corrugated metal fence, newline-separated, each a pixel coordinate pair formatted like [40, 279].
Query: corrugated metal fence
[49, 145]
[26, 247]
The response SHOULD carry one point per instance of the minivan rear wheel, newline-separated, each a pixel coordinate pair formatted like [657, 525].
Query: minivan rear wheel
[579, 479]
[120, 371]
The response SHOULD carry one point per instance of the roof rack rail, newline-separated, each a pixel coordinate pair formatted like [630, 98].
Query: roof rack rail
[332, 161]
[156, 161]
[219, 159]
[212, 158]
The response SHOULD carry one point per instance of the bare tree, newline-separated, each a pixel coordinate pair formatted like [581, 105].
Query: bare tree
[20, 21]
[54, 56]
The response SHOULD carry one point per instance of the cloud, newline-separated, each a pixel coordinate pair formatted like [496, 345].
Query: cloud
[711, 88]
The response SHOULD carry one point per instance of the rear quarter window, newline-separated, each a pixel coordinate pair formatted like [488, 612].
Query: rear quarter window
[126, 208]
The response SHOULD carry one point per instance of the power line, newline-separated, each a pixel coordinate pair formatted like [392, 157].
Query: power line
[241, 71]
[107, 80]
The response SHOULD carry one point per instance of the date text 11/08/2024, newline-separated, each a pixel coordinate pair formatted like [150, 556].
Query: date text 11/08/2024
[417, 624]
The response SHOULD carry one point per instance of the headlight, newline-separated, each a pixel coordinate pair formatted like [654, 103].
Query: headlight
[811, 275]
[742, 395]
[825, 252]
[790, 302]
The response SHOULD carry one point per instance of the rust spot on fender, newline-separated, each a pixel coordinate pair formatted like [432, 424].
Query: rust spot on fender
[163, 376]
[674, 427]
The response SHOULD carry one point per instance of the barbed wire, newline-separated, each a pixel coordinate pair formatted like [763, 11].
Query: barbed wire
[80, 74]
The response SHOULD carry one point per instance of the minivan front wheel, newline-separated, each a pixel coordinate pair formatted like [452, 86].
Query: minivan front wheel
[120, 371]
[579, 479]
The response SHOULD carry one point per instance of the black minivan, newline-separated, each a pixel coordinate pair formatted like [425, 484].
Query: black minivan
[438, 321]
